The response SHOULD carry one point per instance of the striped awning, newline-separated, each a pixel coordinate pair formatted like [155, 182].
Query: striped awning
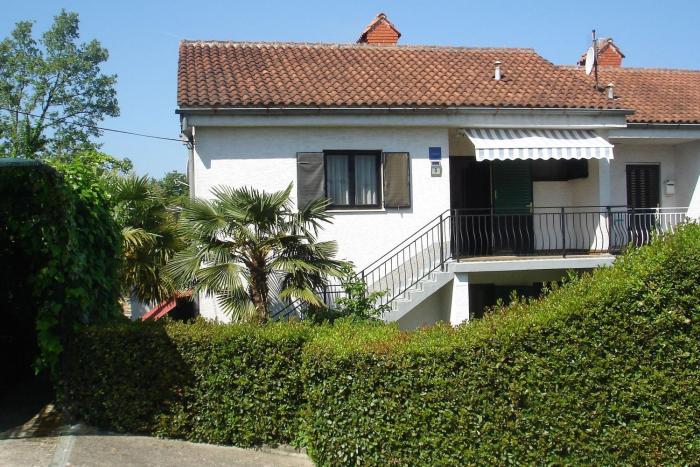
[508, 144]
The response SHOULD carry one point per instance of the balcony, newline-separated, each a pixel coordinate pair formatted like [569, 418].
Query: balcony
[474, 235]
[556, 230]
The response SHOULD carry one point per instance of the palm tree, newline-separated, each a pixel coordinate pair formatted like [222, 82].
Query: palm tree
[149, 237]
[250, 248]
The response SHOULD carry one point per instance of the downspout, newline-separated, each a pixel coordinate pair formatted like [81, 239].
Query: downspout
[187, 135]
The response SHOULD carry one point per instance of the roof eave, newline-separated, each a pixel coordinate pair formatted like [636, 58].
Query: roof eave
[663, 126]
[397, 110]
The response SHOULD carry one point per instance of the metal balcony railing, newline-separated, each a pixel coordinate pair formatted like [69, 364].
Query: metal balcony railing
[461, 234]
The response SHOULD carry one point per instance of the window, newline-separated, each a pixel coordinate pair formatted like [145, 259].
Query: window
[353, 178]
[559, 170]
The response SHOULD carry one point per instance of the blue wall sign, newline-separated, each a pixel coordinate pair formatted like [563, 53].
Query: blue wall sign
[435, 153]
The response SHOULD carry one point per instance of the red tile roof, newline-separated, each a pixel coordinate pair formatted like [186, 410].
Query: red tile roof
[656, 95]
[235, 74]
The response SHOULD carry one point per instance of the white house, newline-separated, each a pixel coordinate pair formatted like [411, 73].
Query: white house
[456, 174]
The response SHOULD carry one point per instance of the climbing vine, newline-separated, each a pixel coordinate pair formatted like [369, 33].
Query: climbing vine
[60, 246]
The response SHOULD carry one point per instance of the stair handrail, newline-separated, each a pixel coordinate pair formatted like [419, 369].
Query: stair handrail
[295, 305]
[398, 247]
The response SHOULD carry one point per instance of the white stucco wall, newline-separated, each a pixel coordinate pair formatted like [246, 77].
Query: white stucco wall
[434, 309]
[265, 158]
[688, 176]
[633, 153]
[576, 192]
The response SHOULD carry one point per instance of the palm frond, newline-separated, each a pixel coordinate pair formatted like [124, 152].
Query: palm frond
[131, 188]
[243, 233]
[237, 305]
[304, 294]
[133, 237]
[220, 277]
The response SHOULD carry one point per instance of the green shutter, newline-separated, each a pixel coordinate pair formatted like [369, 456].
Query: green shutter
[512, 186]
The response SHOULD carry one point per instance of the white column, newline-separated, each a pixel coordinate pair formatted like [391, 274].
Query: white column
[602, 234]
[603, 182]
[459, 308]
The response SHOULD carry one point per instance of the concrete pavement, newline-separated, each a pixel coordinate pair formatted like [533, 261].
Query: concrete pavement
[42, 439]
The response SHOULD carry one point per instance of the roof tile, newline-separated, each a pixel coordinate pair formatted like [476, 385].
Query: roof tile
[656, 95]
[241, 74]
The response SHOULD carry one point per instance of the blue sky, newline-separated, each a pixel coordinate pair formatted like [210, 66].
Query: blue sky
[142, 38]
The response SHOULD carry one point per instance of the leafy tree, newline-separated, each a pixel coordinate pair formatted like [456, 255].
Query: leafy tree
[60, 81]
[175, 188]
[250, 247]
[92, 165]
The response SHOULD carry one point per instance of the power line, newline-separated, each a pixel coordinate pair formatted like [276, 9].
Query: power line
[95, 127]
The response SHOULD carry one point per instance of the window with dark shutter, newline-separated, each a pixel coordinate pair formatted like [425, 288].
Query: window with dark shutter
[310, 177]
[397, 180]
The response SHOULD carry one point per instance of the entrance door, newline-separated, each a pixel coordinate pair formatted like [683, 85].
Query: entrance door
[470, 200]
[512, 206]
[512, 187]
[643, 186]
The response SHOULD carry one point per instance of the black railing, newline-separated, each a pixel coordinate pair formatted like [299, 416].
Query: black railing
[461, 234]
[537, 231]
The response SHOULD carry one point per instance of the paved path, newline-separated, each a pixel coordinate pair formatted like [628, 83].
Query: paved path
[115, 450]
[42, 439]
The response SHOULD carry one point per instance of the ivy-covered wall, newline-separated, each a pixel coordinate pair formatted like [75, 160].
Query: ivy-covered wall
[59, 257]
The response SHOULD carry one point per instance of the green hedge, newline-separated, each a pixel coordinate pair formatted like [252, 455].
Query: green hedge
[604, 370]
[203, 382]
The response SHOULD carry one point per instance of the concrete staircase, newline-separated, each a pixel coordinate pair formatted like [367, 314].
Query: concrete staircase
[417, 293]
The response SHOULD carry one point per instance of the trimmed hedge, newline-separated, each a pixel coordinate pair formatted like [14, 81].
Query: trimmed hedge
[206, 382]
[604, 370]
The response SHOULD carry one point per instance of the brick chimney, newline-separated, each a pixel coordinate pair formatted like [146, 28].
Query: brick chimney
[608, 54]
[379, 32]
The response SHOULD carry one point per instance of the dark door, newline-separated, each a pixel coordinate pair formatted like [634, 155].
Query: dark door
[512, 206]
[470, 200]
[512, 187]
[643, 187]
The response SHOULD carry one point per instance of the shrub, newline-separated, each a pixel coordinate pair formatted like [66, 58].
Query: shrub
[59, 248]
[354, 301]
[207, 382]
[604, 370]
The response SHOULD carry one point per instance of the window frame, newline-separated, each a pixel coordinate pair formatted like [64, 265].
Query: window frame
[352, 153]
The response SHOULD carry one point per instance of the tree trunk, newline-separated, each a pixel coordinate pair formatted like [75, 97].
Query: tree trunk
[259, 291]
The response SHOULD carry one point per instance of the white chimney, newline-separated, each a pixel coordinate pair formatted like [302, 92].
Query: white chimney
[611, 90]
[497, 71]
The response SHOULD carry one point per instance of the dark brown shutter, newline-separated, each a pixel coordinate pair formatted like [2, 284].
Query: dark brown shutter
[310, 177]
[397, 180]
[643, 186]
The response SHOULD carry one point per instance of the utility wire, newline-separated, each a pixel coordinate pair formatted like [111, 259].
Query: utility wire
[132, 133]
